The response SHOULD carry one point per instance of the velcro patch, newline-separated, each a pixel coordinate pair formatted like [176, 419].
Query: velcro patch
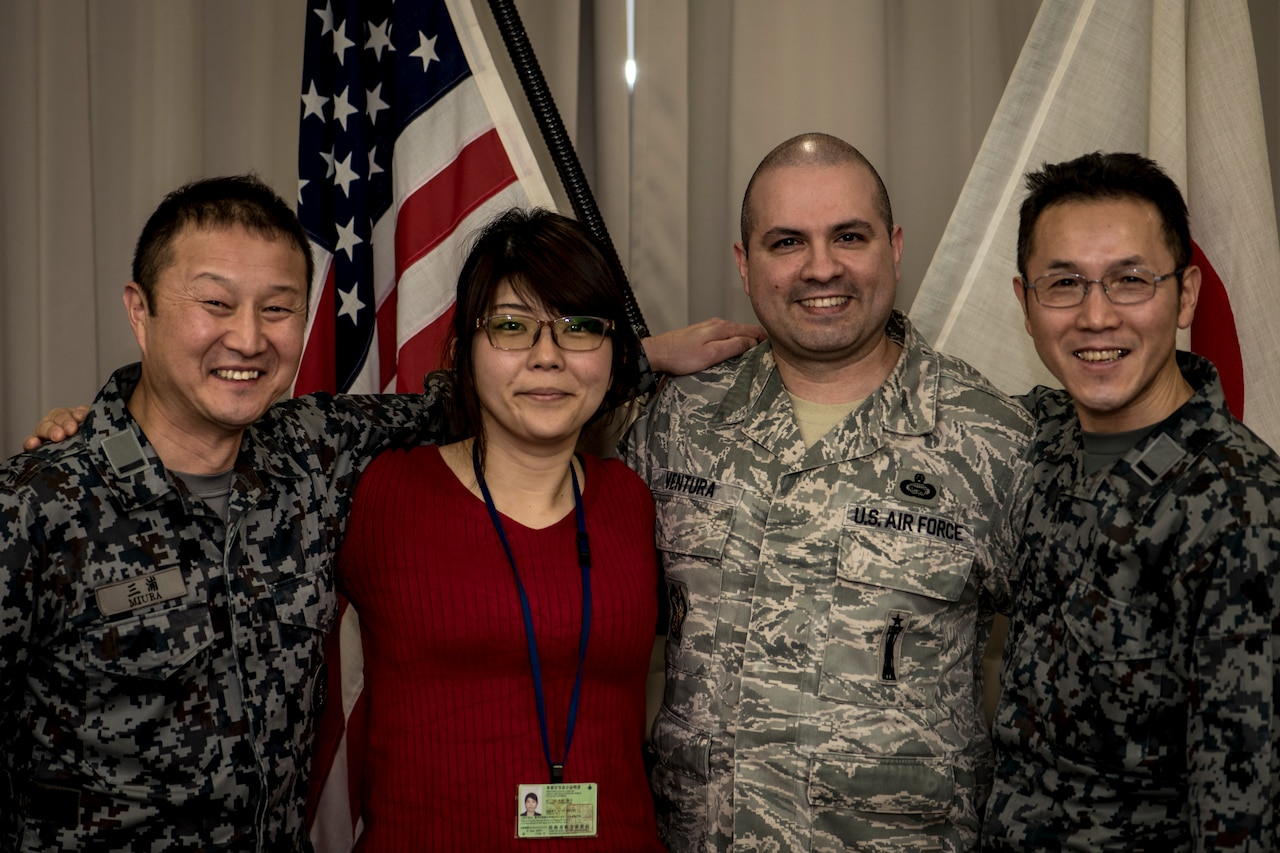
[1157, 459]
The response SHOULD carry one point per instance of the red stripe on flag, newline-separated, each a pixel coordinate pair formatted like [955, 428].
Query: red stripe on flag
[319, 368]
[1213, 332]
[423, 353]
[432, 213]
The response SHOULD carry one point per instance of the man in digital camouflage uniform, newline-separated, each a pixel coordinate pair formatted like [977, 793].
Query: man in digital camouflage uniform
[837, 516]
[165, 577]
[1141, 677]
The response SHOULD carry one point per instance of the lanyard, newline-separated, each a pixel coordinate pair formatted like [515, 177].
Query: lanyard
[584, 562]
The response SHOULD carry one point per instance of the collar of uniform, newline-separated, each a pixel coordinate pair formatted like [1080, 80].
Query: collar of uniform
[128, 463]
[1159, 458]
[906, 403]
[909, 395]
[125, 460]
[1180, 438]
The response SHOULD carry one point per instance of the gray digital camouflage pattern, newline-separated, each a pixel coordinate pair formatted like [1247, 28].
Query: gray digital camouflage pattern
[1141, 677]
[161, 671]
[830, 605]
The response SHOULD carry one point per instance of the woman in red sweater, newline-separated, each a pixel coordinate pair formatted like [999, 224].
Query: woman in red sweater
[506, 587]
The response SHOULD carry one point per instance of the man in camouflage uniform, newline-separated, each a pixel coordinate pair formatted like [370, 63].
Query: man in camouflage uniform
[837, 516]
[161, 632]
[1141, 678]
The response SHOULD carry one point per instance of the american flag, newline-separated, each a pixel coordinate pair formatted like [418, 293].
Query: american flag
[407, 143]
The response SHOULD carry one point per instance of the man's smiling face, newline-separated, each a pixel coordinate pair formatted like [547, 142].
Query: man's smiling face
[1116, 361]
[821, 267]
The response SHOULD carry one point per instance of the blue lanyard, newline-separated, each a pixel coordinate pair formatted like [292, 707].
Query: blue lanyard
[584, 562]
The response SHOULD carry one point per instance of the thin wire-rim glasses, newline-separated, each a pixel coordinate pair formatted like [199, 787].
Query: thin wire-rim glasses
[1131, 286]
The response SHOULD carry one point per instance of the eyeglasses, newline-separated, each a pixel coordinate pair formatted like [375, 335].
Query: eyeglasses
[1125, 287]
[515, 332]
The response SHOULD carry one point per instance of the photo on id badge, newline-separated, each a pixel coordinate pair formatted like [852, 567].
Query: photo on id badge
[556, 810]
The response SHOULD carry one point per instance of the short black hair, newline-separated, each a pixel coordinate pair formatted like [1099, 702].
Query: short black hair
[1101, 176]
[222, 202]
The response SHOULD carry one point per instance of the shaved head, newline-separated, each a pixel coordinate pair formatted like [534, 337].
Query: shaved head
[813, 149]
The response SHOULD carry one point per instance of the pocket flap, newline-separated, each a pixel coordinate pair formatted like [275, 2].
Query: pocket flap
[1110, 629]
[153, 646]
[692, 526]
[905, 785]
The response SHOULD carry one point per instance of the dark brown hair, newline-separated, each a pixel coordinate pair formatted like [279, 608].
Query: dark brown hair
[551, 260]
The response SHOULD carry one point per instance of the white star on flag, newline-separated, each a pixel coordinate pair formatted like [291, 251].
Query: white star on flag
[374, 103]
[351, 304]
[314, 103]
[342, 108]
[348, 239]
[426, 50]
[326, 18]
[379, 39]
[344, 175]
[341, 43]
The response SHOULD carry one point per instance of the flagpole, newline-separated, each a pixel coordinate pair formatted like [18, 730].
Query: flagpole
[561, 147]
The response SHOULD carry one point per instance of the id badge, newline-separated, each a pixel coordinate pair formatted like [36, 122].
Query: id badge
[556, 811]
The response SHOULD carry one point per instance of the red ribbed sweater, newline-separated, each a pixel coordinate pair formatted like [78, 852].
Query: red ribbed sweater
[453, 725]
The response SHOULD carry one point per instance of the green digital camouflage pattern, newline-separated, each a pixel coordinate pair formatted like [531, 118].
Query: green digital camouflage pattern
[1141, 677]
[161, 669]
[829, 606]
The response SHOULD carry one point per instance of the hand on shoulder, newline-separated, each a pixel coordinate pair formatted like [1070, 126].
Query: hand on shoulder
[58, 425]
[700, 345]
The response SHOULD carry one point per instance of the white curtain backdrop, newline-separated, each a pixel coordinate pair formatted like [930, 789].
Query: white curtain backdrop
[107, 104]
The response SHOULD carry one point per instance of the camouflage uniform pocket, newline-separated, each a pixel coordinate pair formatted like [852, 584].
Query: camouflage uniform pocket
[680, 782]
[896, 624]
[692, 526]
[884, 784]
[680, 747]
[691, 534]
[881, 803]
[155, 646]
[1119, 646]
[306, 609]
[1108, 629]
[148, 729]
[306, 600]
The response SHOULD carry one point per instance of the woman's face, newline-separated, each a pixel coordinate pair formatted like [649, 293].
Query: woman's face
[538, 398]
